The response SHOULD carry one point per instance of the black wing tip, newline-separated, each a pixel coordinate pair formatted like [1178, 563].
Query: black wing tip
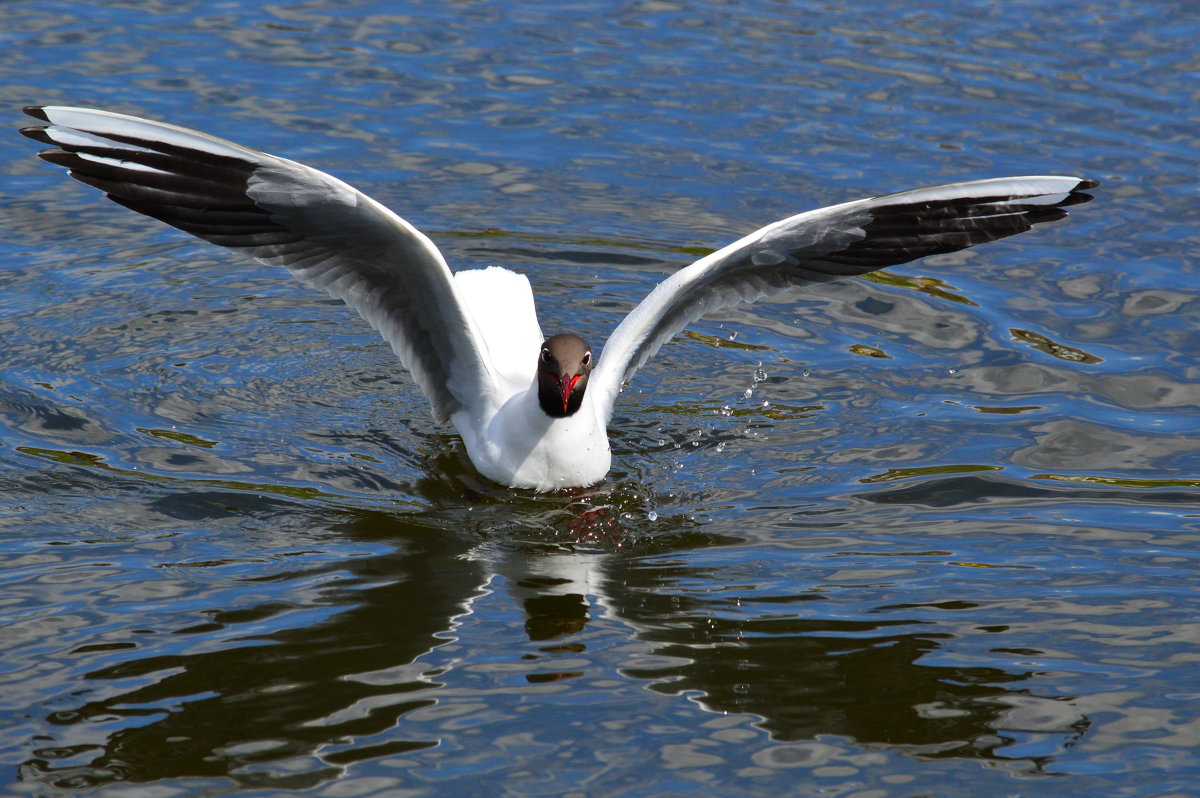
[38, 134]
[59, 157]
[37, 112]
[1076, 196]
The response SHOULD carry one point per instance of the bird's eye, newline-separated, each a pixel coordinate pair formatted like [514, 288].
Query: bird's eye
[587, 358]
[545, 355]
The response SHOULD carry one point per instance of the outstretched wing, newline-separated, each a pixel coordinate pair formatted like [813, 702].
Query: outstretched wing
[828, 243]
[286, 214]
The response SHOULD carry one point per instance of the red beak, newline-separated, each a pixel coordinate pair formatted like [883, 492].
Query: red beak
[566, 385]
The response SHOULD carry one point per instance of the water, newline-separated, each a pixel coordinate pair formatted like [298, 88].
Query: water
[929, 533]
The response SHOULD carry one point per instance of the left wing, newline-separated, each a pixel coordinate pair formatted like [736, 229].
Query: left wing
[284, 213]
[828, 243]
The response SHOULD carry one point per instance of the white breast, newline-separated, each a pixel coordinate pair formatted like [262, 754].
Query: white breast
[522, 447]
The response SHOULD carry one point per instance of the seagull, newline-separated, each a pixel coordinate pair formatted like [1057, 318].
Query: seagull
[533, 411]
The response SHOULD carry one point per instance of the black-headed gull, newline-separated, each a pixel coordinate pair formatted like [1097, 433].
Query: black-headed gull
[532, 411]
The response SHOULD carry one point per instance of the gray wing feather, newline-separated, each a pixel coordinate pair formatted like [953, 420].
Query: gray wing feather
[826, 244]
[285, 214]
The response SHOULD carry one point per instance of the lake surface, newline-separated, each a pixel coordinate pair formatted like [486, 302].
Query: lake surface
[934, 532]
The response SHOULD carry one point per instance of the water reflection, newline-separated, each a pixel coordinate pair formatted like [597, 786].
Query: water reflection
[287, 694]
[239, 696]
[808, 678]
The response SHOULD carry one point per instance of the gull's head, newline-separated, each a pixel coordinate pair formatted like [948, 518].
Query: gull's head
[564, 363]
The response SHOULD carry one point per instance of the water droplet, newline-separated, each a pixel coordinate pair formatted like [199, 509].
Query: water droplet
[805, 373]
[749, 392]
[721, 446]
[653, 516]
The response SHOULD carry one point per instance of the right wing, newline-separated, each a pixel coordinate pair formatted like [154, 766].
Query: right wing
[825, 244]
[286, 214]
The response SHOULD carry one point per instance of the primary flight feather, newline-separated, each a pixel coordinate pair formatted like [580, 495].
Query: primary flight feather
[532, 410]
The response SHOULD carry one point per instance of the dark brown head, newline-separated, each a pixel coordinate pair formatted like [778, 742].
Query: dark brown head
[564, 364]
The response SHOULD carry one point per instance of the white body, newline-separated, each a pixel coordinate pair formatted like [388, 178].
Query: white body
[520, 446]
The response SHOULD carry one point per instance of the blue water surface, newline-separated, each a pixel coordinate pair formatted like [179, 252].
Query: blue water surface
[929, 532]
